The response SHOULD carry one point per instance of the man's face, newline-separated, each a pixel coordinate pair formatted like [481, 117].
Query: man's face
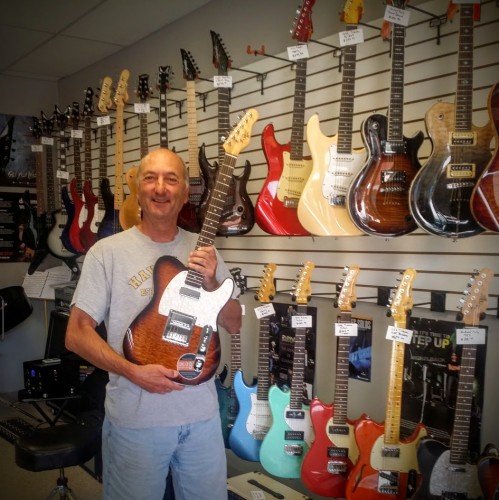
[162, 188]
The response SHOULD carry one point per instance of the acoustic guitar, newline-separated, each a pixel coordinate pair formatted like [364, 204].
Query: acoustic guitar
[178, 328]
[447, 472]
[277, 204]
[322, 208]
[441, 192]
[254, 418]
[387, 466]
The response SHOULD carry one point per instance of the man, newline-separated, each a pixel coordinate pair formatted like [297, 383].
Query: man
[152, 423]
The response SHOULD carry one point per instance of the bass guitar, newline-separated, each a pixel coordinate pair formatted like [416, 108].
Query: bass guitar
[441, 192]
[387, 465]
[446, 472]
[276, 208]
[291, 433]
[378, 197]
[322, 208]
[254, 418]
[238, 216]
[334, 451]
[178, 328]
[485, 195]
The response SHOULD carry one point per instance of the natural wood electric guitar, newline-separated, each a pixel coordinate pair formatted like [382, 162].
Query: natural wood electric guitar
[386, 462]
[178, 328]
[276, 209]
[441, 192]
[447, 472]
[334, 451]
[322, 208]
[254, 418]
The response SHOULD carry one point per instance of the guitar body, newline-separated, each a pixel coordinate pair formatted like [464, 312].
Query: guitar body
[66, 220]
[280, 453]
[228, 409]
[441, 192]
[130, 209]
[173, 330]
[80, 214]
[54, 239]
[488, 475]
[329, 451]
[485, 196]
[440, 479]
[88, 230]
[252, 422]
[270, 212]
[373, 473]
[110, 222]
[322, 207]
[378, 198]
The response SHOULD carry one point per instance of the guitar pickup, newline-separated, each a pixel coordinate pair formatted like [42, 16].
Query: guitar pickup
[398, 176]
[178, 328]
[390, 452]
[337, 452]
[336, 467]
[294, 435]
[461, 171]
[462, 138]
[293, 450]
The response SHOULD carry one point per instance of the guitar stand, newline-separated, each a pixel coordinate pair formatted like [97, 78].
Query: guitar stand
[62, 489]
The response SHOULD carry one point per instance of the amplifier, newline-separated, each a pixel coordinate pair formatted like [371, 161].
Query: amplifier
[50, 378]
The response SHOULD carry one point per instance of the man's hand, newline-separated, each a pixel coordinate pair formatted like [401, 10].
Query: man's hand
[155, 378]
[204, 261]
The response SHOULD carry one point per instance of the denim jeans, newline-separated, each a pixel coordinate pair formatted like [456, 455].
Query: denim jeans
[136, 461]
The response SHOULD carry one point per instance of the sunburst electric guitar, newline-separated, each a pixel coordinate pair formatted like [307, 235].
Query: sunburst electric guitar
[178, 328]
[387, 463]
[441, 192]
[276, 209]
[254, 418]
[334, 451]
[291, 433]
[322, 208]
[446, 472]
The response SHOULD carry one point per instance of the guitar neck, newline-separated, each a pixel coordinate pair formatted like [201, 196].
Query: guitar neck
[262, 389]
[223, 117]
[235, 353]
[102, 161]
[342, 370]
[296, 151]
[49, 166]
[296, 393]
[144, 141]
[77, 163]
[394, 400]
[163, 120]
[40, 185]
[62, 173]
[192, 129]
[118, 169]
[87, 139]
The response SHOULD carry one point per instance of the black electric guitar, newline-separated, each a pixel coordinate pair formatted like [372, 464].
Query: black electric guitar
[165, 75]
[178, 328]
[447, 472]
[238, 216]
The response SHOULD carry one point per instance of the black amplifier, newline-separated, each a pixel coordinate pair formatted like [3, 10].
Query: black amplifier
[49, 378]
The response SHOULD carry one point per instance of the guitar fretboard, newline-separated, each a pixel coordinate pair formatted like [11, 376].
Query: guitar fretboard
[262, 389]
[102, 161]
[296, 150]
[296, 395]
[342, 370]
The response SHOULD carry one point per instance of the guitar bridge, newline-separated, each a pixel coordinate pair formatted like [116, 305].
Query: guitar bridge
[293, 450]
[178, 328]
[388, 482]
[336, 467]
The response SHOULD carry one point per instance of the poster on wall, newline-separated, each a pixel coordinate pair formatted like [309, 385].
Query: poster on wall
[281, 349]
[360, 350]
[17, 162]
[431, 372]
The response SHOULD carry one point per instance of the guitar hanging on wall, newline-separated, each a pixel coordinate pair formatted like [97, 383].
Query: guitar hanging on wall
[178, 328]
[277, 204]
[165, 75]
[440, 194]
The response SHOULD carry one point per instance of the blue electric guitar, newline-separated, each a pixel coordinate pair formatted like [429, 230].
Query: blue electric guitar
[254, 418]
[291, 433]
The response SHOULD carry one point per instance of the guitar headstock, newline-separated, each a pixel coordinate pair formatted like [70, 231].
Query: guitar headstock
[143, 89]
[189, 67]
[221, 59]
[352, 12]
[121, 94]
[474, 301]
[36, 127]
[105, 101]
[62, 117]
[47, 124]
[302, 26]
[75, 114]
[239, 278]
[266, 292]
[165, 74]
[302, 290]
[240, 136]
[347, 297]
[402, 301]
[88, 105]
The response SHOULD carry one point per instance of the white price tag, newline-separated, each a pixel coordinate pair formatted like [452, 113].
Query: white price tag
[142, 107]
[264, 310]
[299, 321]
[351, 37]
[466, 336]
[346, 329]
[397, 16]
[62, 174]
[103, 120]
[76, 133]
[298, 52]
[48, 141]
[399, 334]
[36, 148]
[222, 82]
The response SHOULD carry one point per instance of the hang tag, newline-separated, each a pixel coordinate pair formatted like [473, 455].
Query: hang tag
[346, 329]
[399, 334]
[264, 310]
[467, 336]
[222, 82]
[103, 120]
[351, 37]
[48, 141]
[36, 148]
[62, 174]
[142, 107]
[76, 133]
[298, 52]
[299, 321]
[397, 16]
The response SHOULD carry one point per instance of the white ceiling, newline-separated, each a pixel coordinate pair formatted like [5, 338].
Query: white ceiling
[52, 39]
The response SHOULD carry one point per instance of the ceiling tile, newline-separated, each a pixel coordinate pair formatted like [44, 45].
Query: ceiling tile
[25, 42]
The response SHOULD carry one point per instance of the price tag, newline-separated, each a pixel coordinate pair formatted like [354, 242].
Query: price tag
[76, 133]
[62, 174]
[351, 37]
[397, 16]
[264, 310]
[466, 336]
[36, 148]
[298, 52]
[103, 120]
[142, 107]
[346, 329]
[299, 321]
[399, 334]
[222, 81]
[48, 141]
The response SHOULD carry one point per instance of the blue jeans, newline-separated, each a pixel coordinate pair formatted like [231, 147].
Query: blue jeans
[136, 461]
